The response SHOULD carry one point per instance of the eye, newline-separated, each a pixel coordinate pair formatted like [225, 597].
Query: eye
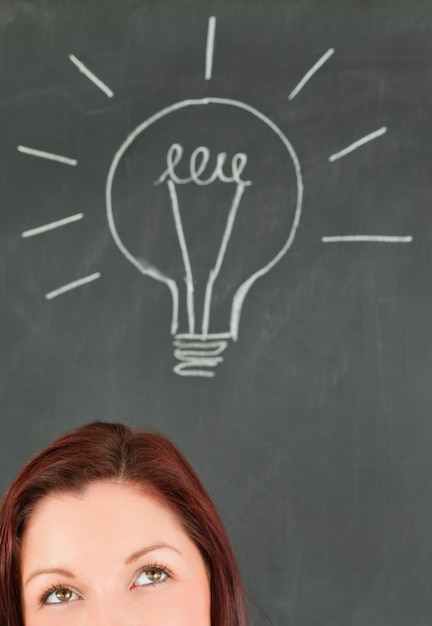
[152, 575]
[59, 595]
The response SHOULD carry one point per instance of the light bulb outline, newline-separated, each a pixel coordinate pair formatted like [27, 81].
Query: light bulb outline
[153, 272]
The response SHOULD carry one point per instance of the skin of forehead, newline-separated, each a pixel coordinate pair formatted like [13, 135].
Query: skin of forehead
[81, 495]
[141, 489]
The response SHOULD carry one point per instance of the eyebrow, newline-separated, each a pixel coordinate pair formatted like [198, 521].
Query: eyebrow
[49, 570]
[130, 559]
[143, 551]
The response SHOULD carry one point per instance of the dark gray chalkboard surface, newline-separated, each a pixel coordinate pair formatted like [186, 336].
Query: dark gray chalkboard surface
[216, 220]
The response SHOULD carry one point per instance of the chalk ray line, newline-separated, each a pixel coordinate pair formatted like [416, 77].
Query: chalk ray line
[47, 155]
[358, 143]
[185, 256]
[72, 285]
[306, 78]
[89, 74]
[367, 238]
[52, 225]
[220, 257]
[211, 30]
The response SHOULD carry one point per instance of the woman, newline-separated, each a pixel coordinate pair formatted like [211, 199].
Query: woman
[112, 526]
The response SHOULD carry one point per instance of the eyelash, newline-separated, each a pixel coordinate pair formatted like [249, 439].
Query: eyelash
[163, 568]
[150, 566]
[52, 589]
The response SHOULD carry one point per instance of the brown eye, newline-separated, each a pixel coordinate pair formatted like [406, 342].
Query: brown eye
[152, 576]
[59, 595]
[63, 595]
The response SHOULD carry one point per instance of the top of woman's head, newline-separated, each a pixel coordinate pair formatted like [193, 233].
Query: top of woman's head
[102, 452]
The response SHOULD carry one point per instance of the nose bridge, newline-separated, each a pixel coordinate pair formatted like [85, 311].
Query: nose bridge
[110, 611]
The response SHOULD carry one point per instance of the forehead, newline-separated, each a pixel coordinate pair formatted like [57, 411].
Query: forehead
[99, 493]
[105, 516]
[102, 491]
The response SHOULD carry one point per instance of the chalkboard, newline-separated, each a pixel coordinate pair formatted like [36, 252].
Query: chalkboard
[216, 220]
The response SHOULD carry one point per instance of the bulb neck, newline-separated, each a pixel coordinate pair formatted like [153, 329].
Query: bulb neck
[199, 355]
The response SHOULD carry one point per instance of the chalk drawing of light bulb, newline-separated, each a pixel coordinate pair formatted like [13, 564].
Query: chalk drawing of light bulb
[205, 196]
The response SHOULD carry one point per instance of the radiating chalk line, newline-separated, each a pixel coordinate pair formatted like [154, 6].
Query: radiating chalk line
[358, 143]
[73, 285]
[311, 72]
[46, 227]
[185, 256]
[221, 255]
[94, 79]
[210, 47]
[367, 238]
[47, 155]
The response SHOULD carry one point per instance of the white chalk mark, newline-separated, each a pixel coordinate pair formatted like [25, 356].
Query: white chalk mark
[367, 238]
[311, 72]
[196, 349]
[144, 267]
[358, 143]
[47, 155]
[220, 257]
[206, 338]
[185, 256]
[210, 47]
[73, 285]
[182, 371]
[94, 79]
[52, 225]
[198, 356]
[197, 165]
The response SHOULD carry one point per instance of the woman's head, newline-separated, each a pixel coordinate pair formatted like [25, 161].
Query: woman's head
[112, 555]
[112, 465]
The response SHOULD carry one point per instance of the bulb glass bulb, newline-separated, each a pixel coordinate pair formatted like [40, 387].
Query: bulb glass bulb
[205, 197]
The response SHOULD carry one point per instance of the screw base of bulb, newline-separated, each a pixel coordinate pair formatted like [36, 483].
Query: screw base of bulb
[199, 355]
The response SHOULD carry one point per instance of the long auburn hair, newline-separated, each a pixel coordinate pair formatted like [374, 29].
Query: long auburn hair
[108, 451]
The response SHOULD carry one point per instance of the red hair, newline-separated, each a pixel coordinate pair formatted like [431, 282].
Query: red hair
[106, 451]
